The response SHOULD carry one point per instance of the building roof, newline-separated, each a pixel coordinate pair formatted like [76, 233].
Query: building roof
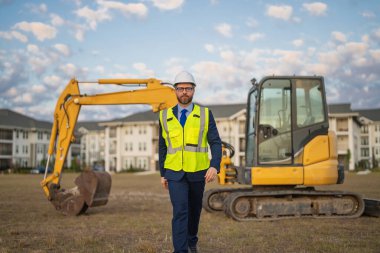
[10, 118]
[89, 125]
[372, 114]
[219, 111]
[226, 110]
[339, 108]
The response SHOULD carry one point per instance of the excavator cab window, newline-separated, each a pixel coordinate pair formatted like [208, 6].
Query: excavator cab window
[250, 146]
[275, 122]
[309, 102]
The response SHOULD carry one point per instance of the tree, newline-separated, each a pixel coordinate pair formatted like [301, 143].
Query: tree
[347, 159]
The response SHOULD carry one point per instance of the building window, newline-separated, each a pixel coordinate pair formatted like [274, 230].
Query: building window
[112, 133]
[17, 134]
[144, 146]
[364, 140]
[6, 134]
[364, 152]
[131, 146]
[126, 146]
[5, 148]
[364, 129]
[16, 149]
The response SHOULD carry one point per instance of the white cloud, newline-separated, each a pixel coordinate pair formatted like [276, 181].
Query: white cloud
[11, 92]
[34, 49]
[368, 14]
[316, 8]
[69, 69]
[14, 35]
[227, 55]
[19, 36]
[135, 9]
[63, 49]
[39, 30]
[298, 42]
[255, 36]
[79, 31]
[339, 36]
[56, 20]
[143, 70]
[38, 89]
[209, 48]
[251, 22]
[375, 54]
[224, 29]
[39, 9]
[93, 17]
[283, 12]
[103, 13]
[53, 81]
[168, 4]
[24, 98]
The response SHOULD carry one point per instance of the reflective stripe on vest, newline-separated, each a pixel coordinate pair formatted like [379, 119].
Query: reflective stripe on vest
[171, 150]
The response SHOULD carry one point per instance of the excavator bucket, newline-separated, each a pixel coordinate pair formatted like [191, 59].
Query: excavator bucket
[92, 189]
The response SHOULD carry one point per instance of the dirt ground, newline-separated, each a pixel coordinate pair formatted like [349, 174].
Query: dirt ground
[138, 216]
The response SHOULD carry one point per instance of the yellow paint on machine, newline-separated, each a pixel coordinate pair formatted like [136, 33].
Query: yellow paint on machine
[277, 175]
[316, 150]
[322, 173]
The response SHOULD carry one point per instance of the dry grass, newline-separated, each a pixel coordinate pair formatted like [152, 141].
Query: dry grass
[138, 215]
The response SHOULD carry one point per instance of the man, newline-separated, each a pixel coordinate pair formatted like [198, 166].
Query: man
[185, 131]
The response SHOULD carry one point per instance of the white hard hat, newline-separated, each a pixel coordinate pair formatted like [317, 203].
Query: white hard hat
[184, 77]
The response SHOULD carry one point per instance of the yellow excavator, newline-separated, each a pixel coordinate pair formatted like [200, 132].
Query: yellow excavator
[92, 188]
[289, 150]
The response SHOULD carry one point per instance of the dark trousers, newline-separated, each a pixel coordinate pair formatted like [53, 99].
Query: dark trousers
[186, 198]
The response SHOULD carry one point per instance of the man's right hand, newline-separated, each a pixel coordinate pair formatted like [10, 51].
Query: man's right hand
[164, 183]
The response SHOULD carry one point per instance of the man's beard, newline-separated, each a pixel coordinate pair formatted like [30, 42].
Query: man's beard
[185, 99]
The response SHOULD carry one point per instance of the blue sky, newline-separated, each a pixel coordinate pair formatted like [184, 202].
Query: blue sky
[43, 44]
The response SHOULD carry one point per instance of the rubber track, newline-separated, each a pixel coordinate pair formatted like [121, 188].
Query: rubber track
[234, 195]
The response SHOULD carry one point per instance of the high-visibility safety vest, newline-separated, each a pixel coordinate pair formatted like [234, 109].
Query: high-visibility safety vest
[187, 148]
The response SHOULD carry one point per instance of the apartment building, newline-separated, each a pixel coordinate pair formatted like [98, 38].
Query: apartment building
[358, 134]
[24, 141]
[92, 144]
[132, 142]
[346, 124]
[370, 136]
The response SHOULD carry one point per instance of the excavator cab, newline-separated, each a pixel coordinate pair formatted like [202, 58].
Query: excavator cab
[289, 112]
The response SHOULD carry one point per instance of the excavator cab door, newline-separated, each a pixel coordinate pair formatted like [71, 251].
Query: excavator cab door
[274, 123]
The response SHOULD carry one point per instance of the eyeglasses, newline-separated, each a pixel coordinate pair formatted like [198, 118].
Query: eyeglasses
[187, 89]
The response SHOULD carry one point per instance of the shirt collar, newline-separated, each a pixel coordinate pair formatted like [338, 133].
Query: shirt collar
[189, 108]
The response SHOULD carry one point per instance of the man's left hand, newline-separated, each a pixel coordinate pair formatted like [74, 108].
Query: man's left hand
[211, 174]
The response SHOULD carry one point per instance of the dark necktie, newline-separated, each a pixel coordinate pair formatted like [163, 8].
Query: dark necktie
[182, 119]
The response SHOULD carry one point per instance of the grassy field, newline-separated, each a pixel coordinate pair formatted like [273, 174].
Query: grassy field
[138, 215]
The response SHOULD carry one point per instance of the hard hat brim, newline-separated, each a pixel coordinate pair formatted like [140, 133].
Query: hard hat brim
[185, 82]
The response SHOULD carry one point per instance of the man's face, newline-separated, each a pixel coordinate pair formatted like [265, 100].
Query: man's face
[184, 92]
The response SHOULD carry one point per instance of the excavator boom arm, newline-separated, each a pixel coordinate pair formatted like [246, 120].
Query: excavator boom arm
[66, 114]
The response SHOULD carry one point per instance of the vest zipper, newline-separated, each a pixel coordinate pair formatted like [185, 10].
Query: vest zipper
[183, 142]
